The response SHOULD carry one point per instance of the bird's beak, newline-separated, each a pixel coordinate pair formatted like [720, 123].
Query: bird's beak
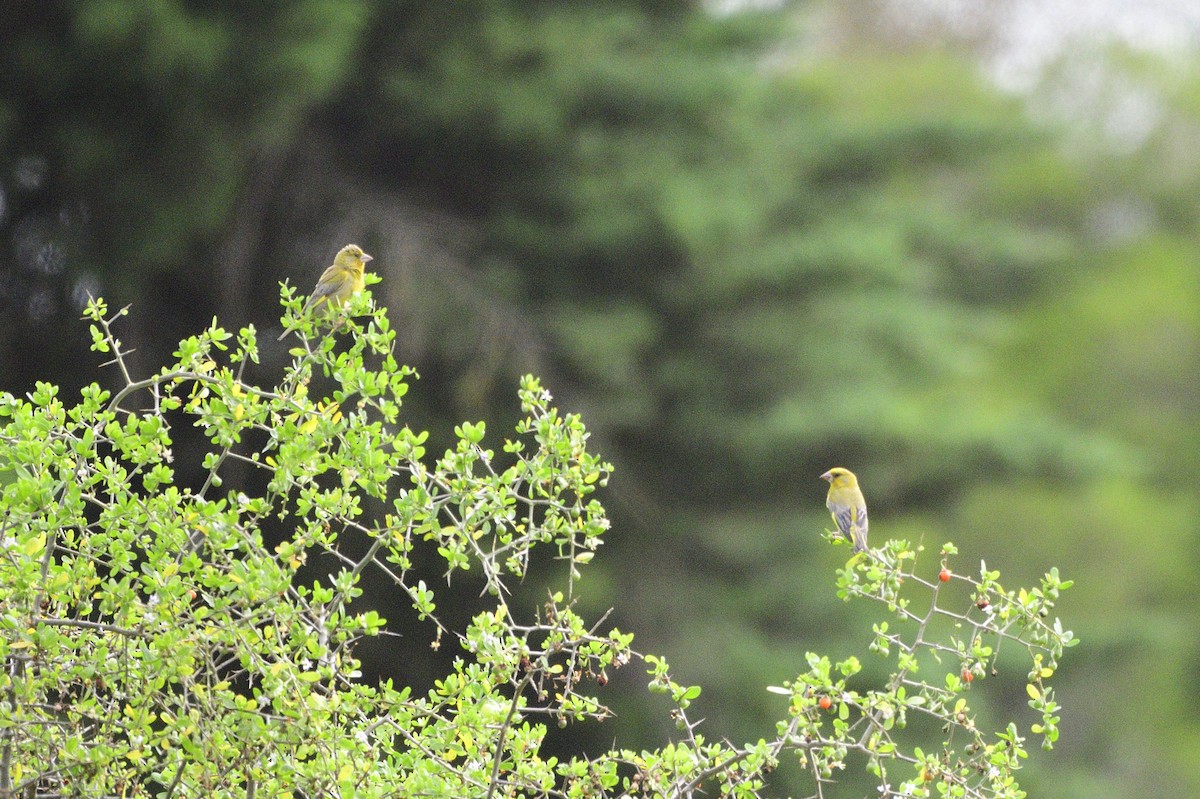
[828, 476]
[366, 258]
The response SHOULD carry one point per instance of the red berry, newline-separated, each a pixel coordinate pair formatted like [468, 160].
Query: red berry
[825, 703]
[968, 675]
[944, 575]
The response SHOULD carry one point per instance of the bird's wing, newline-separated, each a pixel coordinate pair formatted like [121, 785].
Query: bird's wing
[332, 281]
[850, 518]
[858, 533]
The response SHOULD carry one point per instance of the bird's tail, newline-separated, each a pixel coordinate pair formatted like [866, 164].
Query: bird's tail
[858, 536]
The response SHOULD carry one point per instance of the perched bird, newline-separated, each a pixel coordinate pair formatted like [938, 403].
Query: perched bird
[341, 280]
[845, 501]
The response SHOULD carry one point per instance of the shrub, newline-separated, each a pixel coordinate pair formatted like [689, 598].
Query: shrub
[154, 644]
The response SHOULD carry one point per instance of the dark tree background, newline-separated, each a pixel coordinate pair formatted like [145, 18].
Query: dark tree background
[746, 247]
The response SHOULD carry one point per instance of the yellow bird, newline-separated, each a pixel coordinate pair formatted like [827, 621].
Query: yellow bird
[341, 280]
[845, 501]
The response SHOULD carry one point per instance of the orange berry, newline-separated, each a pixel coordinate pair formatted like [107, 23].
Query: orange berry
[968, 675]
[825, 703]
[944, 575]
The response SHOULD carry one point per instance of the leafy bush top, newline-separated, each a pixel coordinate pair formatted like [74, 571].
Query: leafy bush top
[154, 645]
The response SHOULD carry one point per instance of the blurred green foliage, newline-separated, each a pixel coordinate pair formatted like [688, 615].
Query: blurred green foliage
[746, 257]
